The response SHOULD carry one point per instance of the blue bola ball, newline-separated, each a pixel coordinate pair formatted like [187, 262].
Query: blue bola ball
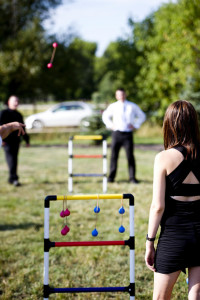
[122, 210]
[94, 232]
[97, 209]
[187, 281]
[121, 229]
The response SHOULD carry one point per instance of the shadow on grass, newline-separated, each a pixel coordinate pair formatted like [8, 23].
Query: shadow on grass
[140, 181]
[4, 227]
[52, 182]
[86, 181]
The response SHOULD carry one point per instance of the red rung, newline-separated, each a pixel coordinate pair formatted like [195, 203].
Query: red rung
[89, 243]
[88, 156]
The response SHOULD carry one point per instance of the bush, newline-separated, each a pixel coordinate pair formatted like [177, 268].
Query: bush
[94, 125]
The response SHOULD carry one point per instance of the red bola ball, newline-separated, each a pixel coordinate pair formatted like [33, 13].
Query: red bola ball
[50, 65]
[55, 45]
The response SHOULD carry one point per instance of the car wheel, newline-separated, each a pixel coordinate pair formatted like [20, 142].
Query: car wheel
[38, 124]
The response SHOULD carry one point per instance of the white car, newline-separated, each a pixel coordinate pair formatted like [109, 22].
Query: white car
[68, 114]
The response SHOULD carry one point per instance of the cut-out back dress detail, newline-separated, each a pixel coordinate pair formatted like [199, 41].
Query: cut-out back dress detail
[179, 241]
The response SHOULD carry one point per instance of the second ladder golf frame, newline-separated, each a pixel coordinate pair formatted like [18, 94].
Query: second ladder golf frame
[71, 156]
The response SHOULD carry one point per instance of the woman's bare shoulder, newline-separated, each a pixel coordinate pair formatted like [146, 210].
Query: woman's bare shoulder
[169, 153]
[169, 159]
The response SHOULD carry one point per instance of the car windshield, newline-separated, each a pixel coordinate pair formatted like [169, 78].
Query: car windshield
[67, 107]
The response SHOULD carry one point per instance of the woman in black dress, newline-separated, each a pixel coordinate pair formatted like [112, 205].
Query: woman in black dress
[176, 204]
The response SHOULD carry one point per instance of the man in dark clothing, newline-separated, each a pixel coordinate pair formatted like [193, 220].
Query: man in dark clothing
[12, 142]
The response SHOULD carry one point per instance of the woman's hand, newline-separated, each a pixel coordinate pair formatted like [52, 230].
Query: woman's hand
[6, 129]
[150, 255]
[18, 126]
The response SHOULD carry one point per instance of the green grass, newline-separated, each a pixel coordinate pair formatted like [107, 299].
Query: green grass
[43, 171]
[147, 134]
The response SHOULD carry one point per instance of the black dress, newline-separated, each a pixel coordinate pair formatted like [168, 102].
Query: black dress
[179, 241]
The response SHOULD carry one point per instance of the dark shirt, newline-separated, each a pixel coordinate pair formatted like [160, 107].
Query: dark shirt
[9, 115]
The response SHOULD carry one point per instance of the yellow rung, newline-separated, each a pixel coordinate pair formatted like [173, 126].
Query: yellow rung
[88, 137]
[90, 197]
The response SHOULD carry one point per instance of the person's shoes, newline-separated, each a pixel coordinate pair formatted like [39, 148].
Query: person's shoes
[16, 183]
[110, 180]
[134, 181]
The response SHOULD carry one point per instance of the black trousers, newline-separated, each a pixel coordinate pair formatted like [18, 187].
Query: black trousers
[11, 154]
[122, 139]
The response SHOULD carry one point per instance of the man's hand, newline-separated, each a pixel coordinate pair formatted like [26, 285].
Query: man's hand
[130, 126]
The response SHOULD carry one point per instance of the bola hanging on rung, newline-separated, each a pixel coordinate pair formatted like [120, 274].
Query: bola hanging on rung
[121, 212]
[96, 211]
[65, 213]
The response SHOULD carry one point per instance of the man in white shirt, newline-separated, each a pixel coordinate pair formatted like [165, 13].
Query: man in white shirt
[122, 117]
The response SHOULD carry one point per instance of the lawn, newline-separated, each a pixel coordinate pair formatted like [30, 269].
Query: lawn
[43, 171]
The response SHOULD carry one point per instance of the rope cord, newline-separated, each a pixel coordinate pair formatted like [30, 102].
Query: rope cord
[64, 207]
[53, 54]
[122, 214]
[97, 210]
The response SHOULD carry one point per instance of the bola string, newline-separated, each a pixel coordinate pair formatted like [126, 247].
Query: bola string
[64, 221]
[122, 219]
[121, 211]
[65, 206]
[52, 56]
[122, 214]
[97, 210]
[65, 209]
[50, 64]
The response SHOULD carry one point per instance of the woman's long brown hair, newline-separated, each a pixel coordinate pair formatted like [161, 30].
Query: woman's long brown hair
[180, 127]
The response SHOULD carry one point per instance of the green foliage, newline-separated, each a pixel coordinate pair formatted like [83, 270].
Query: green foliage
[169, 43]
[25, 51]
[94, 125]
[117, 68]
[22, 45]
[17, 15]
[72, 77]
[157, 63]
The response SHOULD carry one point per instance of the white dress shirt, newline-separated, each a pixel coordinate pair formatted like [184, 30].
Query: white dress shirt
[121, 115]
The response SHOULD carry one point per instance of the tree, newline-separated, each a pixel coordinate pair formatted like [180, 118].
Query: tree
[117, 68]
[25, 50]
[22, 44]
[72, 76]
[16, 15]
[169, 44]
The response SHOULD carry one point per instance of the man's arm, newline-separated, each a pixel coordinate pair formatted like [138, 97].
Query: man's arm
[138, 116]
[107, 117]
[6, 129]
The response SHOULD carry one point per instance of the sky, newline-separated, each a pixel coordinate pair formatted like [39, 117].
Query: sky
[100, 21]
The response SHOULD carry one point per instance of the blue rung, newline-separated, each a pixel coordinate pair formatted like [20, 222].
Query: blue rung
[89, 290]
[87, 175]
